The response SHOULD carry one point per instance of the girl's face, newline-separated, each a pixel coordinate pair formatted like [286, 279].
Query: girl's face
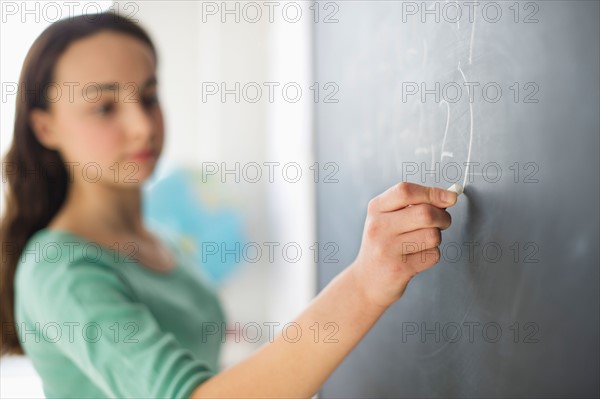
[104, 117]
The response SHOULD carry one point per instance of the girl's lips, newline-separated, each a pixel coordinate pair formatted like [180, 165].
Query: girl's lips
[147, 154]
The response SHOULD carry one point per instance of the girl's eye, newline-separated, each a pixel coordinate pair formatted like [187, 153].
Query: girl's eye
[150, 100]
[105, 109]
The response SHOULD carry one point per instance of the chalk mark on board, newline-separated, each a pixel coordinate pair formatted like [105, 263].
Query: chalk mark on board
[446, 153]
[458, 19]
[471, 123]
[472, 36]
[448, 342]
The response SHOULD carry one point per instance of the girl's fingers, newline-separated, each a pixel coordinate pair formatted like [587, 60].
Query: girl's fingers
[417, 241]
[403, 194]
[409, 219]
[417, 262]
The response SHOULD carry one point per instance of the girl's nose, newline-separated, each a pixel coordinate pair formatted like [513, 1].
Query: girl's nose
[139, 120]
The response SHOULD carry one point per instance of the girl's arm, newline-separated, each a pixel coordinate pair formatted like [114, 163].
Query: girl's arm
[398, 242]
[286, 369]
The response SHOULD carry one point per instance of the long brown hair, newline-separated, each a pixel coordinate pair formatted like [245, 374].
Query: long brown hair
[36, 177]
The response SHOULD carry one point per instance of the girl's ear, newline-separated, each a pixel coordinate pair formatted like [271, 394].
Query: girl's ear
[41, 125]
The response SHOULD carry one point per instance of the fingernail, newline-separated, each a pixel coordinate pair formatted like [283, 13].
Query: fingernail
[448, 197]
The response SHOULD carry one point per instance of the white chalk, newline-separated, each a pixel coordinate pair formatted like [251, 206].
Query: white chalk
[457, 188]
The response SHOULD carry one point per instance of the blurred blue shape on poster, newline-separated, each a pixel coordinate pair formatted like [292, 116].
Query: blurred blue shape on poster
[203, 213]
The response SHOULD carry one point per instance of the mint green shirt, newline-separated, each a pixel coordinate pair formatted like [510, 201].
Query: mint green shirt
[96, 323]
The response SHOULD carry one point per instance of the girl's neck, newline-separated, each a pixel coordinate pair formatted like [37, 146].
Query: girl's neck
[102, 208]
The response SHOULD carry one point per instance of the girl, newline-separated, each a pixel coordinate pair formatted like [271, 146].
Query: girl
[105, 306]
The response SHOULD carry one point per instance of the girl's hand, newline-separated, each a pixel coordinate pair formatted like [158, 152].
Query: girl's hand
[400, 239]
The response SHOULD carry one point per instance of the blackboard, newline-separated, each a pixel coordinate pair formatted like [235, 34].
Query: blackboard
[512, 309]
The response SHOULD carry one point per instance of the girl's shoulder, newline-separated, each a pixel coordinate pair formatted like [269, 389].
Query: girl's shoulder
[53, 261]
[51, 248]
[56, 253]
[59, 271]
